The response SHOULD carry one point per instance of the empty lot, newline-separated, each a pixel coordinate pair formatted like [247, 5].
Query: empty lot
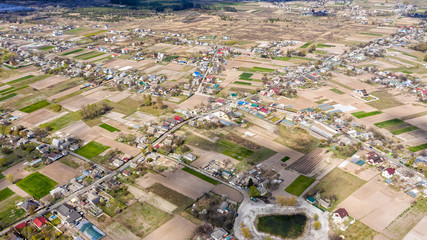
[178, 228]
[60, 172]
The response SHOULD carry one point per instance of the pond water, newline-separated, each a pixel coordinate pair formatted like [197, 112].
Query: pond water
[287, 226]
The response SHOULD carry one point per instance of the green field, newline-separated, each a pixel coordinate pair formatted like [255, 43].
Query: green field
[256, 69]
[201, 176]
[9, 212]
[285, 158]
[111, 206]
[20, 79]
[13, 89]
[321, 45]
[246, 76]
[170, 195]
[418, 148]
[242, 83]
[109, 128]
[63, 121]
[94, 33]
[233, 150]
[76, 30]
[88, 55]
[306, 45]
[363, 114]
[37, 185]
[404, 130]
[170, 58]
[338, 183]
[8, 96]
[5, 193]
[388, 123]
[336, 91]
[36, 106]
[91, 149]
[371, 34]
[300, 184]
[46, 48]
[72, 52]
[386, 100]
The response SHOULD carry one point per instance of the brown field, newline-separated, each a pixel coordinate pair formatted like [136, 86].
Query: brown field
[420, 122]
[37, 117]
[151, 198]
[120, 63]
[64, 93]
[364, 172]
[19, 76]
[18, 173]
[375, 204]
[133, 151]
[60, 172]
[232, 194]
[419, 232]
[117, 231]
[48, 82]
[81, 130]
[179, 181]
[193, 101]
[204, 157]
[178, 228]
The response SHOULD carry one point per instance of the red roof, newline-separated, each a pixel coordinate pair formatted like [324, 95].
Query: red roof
[21, 225]
[264, 110]
[40, 221]
[342, 212]
[390, 171]
[178, 118]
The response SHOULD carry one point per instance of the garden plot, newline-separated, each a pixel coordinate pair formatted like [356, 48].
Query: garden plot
[141, 117]
[117, 231]
[204, 157]
[335, 49]
[48, 82]
[133, 151]
[81, 130]
[375, 204]
[60, 172]
[179, 181]
[37, 117]
[193, 101]
[308, 164]
[64, 93]
[119, 96]
[178, 228]
[231, 193]
[420, 122]
[419, 232]
[405, 110]
[159, 47]
[363, 172]
[11, 79]
[151, 198]
[77, 102]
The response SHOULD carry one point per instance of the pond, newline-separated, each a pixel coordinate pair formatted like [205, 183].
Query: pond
[286, 226]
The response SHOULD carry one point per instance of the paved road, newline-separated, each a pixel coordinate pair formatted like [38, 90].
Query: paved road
[199, 89]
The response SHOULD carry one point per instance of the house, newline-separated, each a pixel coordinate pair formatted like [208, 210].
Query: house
[219, 234]
[29, 204]
[68, 214]
[388, 172]
[374, 158]
[340, 215]
[126, 173]
[190, 157]
[223, 208]
[40, 222]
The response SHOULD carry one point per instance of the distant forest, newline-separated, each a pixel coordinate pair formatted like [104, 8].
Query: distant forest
[157, 5]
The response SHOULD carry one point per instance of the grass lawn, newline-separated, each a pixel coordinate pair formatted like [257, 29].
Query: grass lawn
[94, 33]
[46, 48]
[388, 123]
[72, 52]
[128, 106]
[36, 106]
[256, 69]
[142, 218]
[300, 184]
[371, 34]
[285, 158]
[306, 45]
[385, 100]
[69, 161]
[37, 185]
[404, 130]
[8, 96]
[13, 89]
[233, 150]
[9, 212]
[246, 76]
[336, 91]
[88, 55]
[242, 83]
[298, 139]
[321, 45]
[358, 230]
[76, 30]
[91, 149]
[363, 114]
[418, 148]
[170, 58]
[63, 121]
[201, 176]
[5, 193]
[170, 195]
[339, 183]
[109, 128]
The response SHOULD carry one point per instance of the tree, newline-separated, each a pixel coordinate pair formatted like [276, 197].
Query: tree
[10, 178]
[245, 231]
[317, 225]
[253, 192]
[425, 58]
[147, 100]
[250, 183]
[316, 217]
[291, 201]
[281, 200]
[159, 102]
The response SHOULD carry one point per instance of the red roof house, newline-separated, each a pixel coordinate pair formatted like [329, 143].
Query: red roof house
[340, 215]
[178, 118]
[40, 222]
[388, 172]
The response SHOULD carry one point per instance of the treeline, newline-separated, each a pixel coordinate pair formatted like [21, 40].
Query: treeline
[95, 110]
[159, 6]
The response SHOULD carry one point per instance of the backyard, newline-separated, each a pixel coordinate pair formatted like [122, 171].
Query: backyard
[299, 185]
